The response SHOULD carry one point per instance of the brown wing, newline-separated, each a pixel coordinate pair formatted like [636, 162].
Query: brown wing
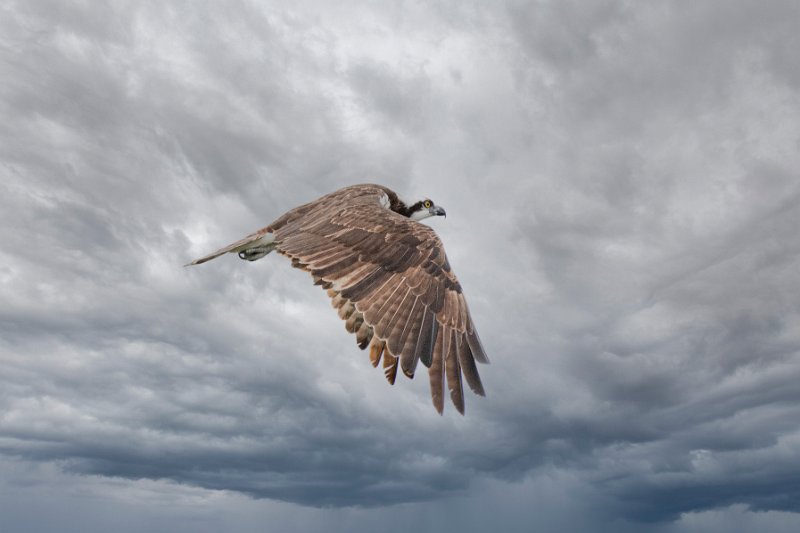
[389, 278]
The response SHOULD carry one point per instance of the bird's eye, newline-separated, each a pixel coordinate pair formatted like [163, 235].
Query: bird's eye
[427, 204]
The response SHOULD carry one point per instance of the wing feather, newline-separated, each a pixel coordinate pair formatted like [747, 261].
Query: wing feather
[389, 367]
[476, 346]
[364, 333]
[463, 319]
[389, 279]
[359, 289]
[436, 371]
[337, 266]
[423, 349]
[409, 332]
[383, 302]
[466, 360]
[453, 372]
[394, 312]
[375, 351]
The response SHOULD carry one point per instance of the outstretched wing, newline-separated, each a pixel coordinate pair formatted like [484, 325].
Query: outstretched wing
[390, 280]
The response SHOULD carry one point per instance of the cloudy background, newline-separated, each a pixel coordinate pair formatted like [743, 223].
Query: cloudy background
[621, 182]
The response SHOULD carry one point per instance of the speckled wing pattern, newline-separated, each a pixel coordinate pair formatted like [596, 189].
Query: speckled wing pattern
[389, 279]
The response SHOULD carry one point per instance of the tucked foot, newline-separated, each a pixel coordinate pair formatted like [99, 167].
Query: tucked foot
[257, 252]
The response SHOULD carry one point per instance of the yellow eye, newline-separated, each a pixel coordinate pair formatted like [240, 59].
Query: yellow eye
[427, 204]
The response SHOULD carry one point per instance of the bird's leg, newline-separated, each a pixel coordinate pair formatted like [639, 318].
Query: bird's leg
[257, 252]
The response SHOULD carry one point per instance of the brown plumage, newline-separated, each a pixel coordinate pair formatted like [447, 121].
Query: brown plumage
[388, 278]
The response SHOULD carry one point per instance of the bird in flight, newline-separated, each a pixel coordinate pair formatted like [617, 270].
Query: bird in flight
[388, 277]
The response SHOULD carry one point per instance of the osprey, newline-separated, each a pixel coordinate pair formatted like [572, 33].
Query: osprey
[387, 276]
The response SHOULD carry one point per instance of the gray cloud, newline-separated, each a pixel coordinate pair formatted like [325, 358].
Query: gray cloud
[621, 187]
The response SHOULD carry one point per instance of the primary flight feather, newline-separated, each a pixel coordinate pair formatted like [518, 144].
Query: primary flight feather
[387, 276]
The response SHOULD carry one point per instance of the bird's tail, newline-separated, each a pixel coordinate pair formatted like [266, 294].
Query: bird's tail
[254, 246]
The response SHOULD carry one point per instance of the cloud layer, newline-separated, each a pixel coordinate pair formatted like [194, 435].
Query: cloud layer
[622, 195]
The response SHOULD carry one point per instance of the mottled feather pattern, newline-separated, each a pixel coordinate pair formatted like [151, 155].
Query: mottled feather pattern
[389, 279]
[394, 271]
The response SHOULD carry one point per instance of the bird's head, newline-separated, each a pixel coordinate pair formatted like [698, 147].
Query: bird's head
[424, 209]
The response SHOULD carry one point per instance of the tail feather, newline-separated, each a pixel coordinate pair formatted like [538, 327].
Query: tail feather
[262, 237]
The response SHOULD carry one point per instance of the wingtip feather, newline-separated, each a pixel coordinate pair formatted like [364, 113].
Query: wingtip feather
[390, 367]
[453, 373]
[436, 374]
[375, 351]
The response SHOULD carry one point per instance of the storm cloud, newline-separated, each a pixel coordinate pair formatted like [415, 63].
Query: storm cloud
[623, 202]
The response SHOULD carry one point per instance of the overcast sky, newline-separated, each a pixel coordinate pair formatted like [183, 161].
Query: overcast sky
[621, 182]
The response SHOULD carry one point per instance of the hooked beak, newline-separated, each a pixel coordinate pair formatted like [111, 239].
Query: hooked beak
[437, 211]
